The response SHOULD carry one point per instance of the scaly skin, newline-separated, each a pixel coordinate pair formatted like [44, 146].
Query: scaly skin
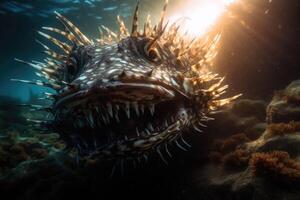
[127, 95]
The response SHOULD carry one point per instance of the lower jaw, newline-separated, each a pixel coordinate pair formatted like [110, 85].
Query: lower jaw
[133, 147]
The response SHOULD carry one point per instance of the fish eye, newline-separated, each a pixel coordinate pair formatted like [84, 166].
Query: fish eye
[153, 55]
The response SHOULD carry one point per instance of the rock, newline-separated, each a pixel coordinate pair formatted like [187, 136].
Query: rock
[284, 106]
[242, 117]
[230, 176]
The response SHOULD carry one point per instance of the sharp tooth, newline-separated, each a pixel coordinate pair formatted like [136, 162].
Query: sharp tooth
[166, 123]
[109, 108]
[104, 119]
[167, 150]
[91, 119]
[150, 127]
[117, 116]
[87, 121]
[142, 107]
[147, 131]
[181, 147]
[136, 108]
[161, 156]
[98, 110]
[202, 124]
[107, 118]
[137, 132]
[127, 109]
[185, 142]
[117, 107]
[172, 119]
[197, 129]
[146, 157]
[152, 108]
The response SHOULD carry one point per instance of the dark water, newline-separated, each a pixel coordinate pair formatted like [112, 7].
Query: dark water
[259, 52]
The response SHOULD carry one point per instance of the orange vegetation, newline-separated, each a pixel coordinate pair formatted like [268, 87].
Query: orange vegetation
[280, 129]
[276, 165]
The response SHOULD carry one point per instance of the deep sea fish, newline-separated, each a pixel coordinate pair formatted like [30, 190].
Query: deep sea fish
[131, 93]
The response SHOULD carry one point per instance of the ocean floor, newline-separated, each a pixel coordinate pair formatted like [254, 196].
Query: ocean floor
[250, 151]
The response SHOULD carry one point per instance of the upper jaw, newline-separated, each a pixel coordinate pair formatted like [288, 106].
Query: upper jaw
[148, 92]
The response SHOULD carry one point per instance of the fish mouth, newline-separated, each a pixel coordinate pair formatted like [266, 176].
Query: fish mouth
[122, 119]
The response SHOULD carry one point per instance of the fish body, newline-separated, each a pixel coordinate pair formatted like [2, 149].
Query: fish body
[130, 93]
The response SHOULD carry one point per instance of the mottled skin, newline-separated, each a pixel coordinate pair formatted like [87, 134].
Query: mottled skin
[128, 95]
[116, 78]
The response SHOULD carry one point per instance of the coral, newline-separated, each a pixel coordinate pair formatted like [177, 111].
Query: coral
[276, 165]
[228, 154]
[280, 129]
[17, 147]
[284, 106]
[236, 160]
[230, 144]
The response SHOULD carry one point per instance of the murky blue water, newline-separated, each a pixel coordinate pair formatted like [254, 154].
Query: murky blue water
[21, 19]
[259, 53]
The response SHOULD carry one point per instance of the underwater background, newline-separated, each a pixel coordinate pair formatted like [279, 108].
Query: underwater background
[260, 57]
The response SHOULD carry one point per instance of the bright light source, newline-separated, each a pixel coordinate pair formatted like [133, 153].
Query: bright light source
[199, 15]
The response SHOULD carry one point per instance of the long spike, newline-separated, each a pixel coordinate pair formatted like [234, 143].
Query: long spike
[216, 85]
[31, 106]
[35, 66]
[134, 30]
[146, 26]
[223, 102]
[161, 21]
[43, 45]
[40, 83]
[109, 32]
[66, 48]
[55, 55]
[123, 29]
[161, 156]
[82, 37]
[69, 35]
